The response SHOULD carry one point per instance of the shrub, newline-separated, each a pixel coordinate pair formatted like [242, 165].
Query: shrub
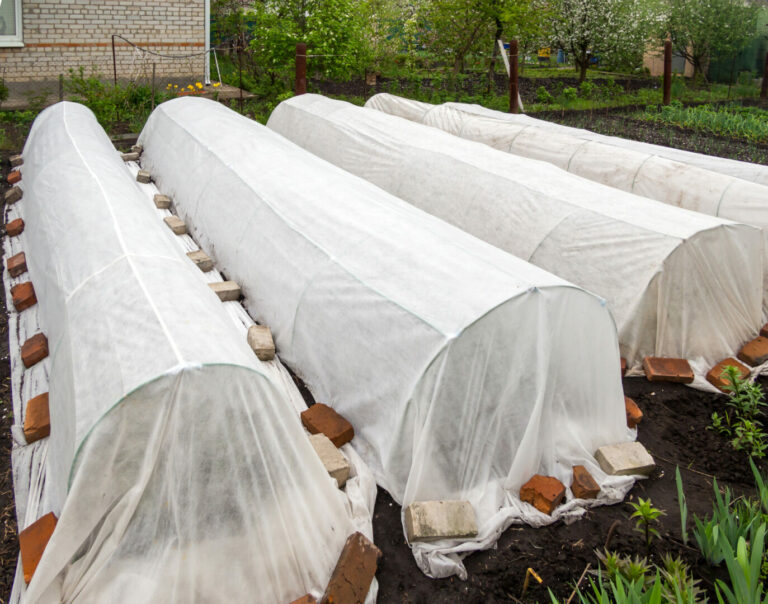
[543, 96]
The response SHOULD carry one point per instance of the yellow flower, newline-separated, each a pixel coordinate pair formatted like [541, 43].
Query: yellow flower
[191, 87]
[199, 85]
[175, 85]
[216, 84]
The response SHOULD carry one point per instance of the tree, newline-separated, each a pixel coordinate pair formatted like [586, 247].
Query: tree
[700, 29]
[528, 21]
[335, 32]
[457, 27]
[601, 27]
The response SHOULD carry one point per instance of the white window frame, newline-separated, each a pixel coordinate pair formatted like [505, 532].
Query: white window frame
[17, 40]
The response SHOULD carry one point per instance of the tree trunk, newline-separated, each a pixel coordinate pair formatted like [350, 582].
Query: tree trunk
[582, 64]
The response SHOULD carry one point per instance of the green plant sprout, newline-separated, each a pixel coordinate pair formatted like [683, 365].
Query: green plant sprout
[646, 515]
[683, 506]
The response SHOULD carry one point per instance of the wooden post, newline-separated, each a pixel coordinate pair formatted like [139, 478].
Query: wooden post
[764, 89]
[114, 60]
[513, 83]
[667, 72]
[301, 68]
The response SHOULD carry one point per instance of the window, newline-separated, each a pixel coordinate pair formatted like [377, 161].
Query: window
[10, 23]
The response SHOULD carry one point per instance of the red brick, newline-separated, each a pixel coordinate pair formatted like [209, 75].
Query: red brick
[623, 366]
[14, 228]
[17, 264]
[34, 350]
[13, 177]
[584, 486]
[308, 599]
[544, 493]
[354, 572]
[658, 369]
[23, 295]
[32, 542]
[755, 352]
[634, 415]
[764, 330]
[321, 418]
[715, 378]
[37, 419]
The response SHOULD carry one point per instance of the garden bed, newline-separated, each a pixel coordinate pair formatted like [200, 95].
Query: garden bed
[674, 430]
[620, 122]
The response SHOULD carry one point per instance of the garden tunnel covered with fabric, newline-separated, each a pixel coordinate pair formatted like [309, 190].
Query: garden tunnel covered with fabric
[712, 185]
[463, 370]
[415, 110]
[179, 471]
[679, 283]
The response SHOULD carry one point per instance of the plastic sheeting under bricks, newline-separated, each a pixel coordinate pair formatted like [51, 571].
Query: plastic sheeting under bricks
[176, 462]
[463, 369]
[679, 283]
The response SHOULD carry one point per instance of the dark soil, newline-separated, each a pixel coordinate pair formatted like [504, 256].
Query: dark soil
[674, 430]
[9, 547]
[471, 84]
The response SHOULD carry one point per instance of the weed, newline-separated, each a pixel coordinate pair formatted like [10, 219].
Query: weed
[739, 422]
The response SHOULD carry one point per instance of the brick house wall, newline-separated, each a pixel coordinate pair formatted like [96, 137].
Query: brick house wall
[65, 34]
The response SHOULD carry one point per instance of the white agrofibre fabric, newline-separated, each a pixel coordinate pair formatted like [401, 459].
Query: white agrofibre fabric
[679, 283]
[463, 370]
[680, 178]
[178, 468]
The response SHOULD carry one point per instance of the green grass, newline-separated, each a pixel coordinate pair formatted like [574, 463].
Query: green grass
[733, 121]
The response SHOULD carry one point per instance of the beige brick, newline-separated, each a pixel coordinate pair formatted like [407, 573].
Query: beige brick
[432, 520]
[227, 291]
[261, 342]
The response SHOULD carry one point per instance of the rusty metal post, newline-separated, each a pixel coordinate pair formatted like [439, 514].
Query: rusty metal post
[114, 59]
[513, 83]
[764, 89]
[301, 68]
[667, 72]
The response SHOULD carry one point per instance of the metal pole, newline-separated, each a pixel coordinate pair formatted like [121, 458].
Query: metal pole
[61, 87]
[153, 86]
[207, 67]
[114, 59]
[764, 89]
[301, 68]
[667, 72]
[513, 83]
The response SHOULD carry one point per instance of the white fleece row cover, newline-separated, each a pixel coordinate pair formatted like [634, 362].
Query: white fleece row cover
[463, 370]
[671, 175]
[180, 473]
[679, 283]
